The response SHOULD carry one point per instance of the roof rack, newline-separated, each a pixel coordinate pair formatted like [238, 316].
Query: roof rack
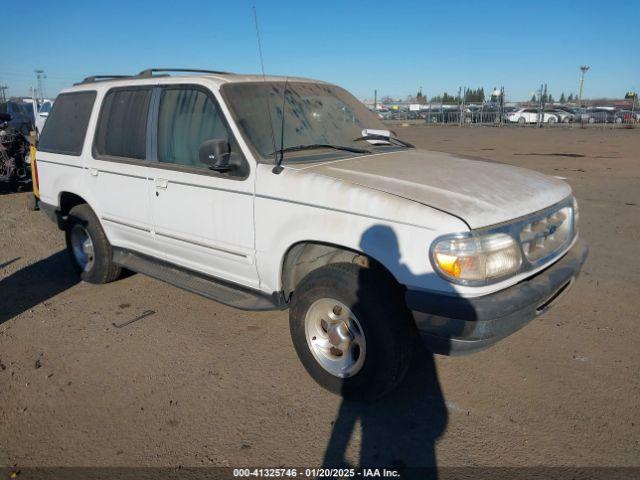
[100, 78]
[150, 71]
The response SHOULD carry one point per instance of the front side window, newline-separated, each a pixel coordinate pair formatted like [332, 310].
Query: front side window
[67, 124]
[122, 127]
[188, 117]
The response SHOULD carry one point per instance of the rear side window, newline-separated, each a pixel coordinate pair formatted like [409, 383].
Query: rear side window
[122, 127]
[67, 124]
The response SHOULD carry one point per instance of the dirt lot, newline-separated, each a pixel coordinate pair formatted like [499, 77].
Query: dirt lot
[200, 384]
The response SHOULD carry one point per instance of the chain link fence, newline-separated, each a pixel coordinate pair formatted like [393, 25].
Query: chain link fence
[524, 115]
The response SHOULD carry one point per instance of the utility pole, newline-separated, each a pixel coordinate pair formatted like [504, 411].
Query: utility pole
[40, 76]
[375, 100]
[541, 102]
[583, 69]
[3, 93]
[460, 104]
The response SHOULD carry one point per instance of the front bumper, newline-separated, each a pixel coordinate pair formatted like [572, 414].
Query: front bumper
[455, 325]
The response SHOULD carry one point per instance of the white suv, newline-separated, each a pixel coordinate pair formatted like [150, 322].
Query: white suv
[275, 193]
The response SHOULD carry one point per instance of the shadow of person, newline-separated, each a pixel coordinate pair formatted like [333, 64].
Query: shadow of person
[400, 430]
[34, 284]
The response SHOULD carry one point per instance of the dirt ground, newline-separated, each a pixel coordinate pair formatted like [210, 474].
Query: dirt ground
[197, 383]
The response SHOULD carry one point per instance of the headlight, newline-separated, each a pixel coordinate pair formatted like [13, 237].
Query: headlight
[476, 259]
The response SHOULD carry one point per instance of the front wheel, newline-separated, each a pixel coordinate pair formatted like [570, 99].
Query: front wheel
[522, 121]
[351, 330]
[88, 247]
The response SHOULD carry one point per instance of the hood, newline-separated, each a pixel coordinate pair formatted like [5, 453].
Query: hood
[480, 192]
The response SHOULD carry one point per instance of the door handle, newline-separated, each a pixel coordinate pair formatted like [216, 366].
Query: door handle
[93, 172]
[161, 183]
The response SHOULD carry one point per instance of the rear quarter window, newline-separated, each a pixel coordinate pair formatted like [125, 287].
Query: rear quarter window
[66, 128]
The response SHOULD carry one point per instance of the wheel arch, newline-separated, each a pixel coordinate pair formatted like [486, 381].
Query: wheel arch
[305, 256]
[68, 200]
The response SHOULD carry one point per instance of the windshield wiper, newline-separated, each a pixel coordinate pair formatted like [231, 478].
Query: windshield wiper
[314, 146]
[384, 138]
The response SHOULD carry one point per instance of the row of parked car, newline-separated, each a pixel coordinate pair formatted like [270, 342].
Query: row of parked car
[492, 113]
[567, 115]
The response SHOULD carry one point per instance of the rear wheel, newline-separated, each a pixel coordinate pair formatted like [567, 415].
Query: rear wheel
[351, 330]
[89, 250]
[552, 119]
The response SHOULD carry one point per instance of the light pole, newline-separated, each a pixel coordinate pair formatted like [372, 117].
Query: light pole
[583, 69]
[40, 76]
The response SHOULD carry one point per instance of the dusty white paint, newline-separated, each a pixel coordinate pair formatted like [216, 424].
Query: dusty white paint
[389, 206]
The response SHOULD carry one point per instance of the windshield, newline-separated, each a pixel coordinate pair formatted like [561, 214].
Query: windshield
[314, 114]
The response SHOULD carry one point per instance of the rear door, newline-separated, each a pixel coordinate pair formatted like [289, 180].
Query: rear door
[118, 172]
[203, 220]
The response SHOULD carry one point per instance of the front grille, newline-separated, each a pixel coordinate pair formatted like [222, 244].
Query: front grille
[547, 234]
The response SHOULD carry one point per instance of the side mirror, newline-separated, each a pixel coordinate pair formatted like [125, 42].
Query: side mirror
[216, 154]
[44, 114]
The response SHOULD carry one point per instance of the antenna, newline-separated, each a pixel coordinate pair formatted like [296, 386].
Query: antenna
[278, 168]
[264, 78]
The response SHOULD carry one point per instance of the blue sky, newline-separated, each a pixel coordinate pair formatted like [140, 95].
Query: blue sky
[394, 47]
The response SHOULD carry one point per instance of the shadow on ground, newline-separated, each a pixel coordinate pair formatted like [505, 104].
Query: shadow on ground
[34, 284]
[398, 431]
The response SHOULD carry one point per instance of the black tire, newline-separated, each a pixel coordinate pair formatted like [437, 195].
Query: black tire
[377, 301]
[102, 270]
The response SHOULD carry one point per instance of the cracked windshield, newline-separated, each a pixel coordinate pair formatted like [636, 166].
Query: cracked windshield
[314, 114]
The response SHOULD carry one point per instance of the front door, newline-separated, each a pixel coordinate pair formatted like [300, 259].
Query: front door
[203, 220]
